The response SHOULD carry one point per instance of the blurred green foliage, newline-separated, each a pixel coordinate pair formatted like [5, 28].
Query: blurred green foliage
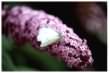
[27, 58]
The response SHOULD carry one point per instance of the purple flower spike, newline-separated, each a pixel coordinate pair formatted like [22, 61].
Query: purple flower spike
[24, 25]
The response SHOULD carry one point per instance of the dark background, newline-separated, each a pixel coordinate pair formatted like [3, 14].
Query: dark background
[66, 12]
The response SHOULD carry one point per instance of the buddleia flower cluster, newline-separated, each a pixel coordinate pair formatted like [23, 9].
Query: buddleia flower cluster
[47, 32]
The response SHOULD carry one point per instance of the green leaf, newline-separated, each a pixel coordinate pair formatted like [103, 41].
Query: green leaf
[7, 63]
[7, 43]
[24, 68]
[49, 62]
